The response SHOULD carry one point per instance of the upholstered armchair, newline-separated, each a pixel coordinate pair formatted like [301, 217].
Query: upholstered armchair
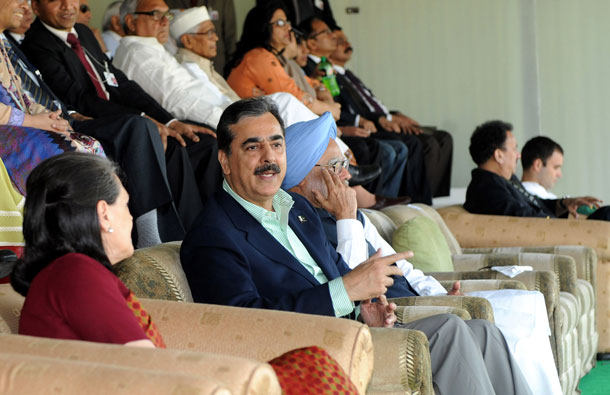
[569, 300]
[582, 237]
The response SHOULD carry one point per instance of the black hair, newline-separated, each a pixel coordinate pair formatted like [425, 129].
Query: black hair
[60, 214]
[538, 148]
[486, 139]
[306, 26]
[252, 107]
[256, 33]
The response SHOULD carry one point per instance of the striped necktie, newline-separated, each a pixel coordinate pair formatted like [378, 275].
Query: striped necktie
[39, 95]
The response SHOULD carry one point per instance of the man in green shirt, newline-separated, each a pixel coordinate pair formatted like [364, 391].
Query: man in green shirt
[255, 245]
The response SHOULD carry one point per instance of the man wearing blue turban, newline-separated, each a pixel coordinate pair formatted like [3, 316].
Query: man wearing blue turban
[314, 170]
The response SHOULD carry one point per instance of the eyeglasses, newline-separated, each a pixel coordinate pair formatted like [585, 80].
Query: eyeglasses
[325, 31]
[210, 33]
[337, 166]
[157, 15]
[84, 8]
[280, 23]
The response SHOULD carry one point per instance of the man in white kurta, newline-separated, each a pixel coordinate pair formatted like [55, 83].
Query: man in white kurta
[144, 59]
[520, 315]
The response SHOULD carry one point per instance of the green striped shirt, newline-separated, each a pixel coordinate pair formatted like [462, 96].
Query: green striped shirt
[276, 223]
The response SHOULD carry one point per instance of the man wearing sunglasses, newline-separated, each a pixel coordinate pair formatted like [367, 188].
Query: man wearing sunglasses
[84, 17]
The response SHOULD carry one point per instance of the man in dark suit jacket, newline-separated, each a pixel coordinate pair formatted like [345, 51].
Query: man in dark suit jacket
[105, 90]
[133, 142]
[255, 245]
[356, 111]
[494, 189]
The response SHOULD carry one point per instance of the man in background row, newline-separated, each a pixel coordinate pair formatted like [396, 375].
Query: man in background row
[222, 14]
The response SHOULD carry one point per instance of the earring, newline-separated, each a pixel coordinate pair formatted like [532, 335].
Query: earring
[110, 230]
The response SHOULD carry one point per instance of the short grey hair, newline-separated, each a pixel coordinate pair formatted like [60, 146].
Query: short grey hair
[112, 10]
[128, 7]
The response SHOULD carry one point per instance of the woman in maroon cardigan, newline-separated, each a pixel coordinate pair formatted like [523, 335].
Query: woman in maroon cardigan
[76, 226]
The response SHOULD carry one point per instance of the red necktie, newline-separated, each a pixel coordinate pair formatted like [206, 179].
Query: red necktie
[75, 44]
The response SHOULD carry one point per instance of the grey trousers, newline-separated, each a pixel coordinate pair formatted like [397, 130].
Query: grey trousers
[469, 357]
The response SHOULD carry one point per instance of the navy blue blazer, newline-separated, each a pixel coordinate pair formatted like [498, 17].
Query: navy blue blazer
[230, 259]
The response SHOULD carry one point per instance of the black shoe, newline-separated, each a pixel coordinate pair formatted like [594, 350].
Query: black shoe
[363, 174]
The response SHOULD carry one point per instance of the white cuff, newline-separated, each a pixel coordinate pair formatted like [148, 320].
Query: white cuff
[349, 229]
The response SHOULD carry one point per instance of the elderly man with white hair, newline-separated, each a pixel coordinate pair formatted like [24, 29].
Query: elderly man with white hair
[112, 29]
[142, 57]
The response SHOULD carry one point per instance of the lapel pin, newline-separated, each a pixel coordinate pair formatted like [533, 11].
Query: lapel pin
[302, 219]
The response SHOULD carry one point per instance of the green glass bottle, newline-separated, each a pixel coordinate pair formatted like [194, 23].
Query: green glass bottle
[328, 77]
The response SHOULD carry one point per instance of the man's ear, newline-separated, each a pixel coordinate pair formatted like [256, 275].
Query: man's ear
[115, 22]
[537, 165]
[130, 24]
[311, 44]
[186, 41]
[498, 155]
[35, 7]
[223, 158]
[103, 215]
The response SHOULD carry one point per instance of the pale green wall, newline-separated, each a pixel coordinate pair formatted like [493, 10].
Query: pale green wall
[97, 11]
[540, 64]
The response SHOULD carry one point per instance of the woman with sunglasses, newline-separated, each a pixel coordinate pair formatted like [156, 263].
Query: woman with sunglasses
[257, 67]
[84, 16]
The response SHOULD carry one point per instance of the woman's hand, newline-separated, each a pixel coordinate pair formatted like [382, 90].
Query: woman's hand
[49, 120]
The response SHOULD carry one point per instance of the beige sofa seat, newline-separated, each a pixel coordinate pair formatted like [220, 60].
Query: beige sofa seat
[28, 374]
[233, 342]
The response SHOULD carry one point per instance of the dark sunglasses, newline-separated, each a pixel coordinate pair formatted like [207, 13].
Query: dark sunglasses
[84, 8]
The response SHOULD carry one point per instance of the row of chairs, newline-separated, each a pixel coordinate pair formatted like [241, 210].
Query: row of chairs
[238, 341]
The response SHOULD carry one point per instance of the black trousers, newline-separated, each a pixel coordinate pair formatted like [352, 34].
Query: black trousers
[154, 179]
[194, 174]
[602, 214]
[366, 151]
[438, 155]
[416, 183]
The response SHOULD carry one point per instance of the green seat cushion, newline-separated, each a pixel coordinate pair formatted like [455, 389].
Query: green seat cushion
[423, 236]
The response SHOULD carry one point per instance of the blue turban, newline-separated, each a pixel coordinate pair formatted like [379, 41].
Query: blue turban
[305, 145]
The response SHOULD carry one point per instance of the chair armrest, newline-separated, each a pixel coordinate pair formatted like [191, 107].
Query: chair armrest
[478, 308]
[23, 374]
[584, 257]
[476, 285]
[155, 273]
[239, 375]
[476, 230]
[564, 267]
[405, 314]
[402, 362]
[543, 281]
[263, 334]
